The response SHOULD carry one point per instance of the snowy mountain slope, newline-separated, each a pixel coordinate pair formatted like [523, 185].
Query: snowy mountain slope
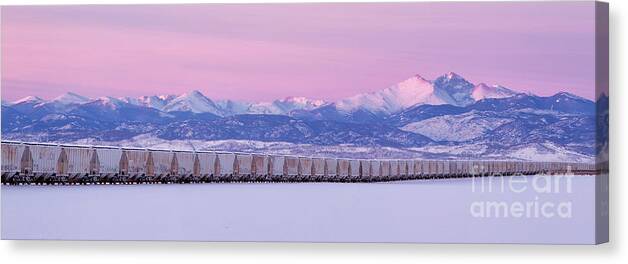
[415, 90]
[330, 112]
[483, 91]
[232, 107]
[560, 102]
[277, 107]
[27, 100]
[108, 102]
[32, 106]
[546, 152]
[453, 89]
[422, 112]
[290, 104]
[13, 120]
[463, 127]
[70, 98]
[154, 101]
[287, 129]
[193, 101]
[510, 128]
[266, 108]
[63, 103]
[27, 104]
[450, 89]
[115, 110]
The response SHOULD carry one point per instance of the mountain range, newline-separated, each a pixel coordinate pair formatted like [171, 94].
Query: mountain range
[448, 117]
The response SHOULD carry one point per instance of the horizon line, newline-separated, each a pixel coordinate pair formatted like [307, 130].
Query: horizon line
[204, 92]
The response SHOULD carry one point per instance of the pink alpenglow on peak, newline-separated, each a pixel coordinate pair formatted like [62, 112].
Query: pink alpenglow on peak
[415, 90]
[280, 106]
[452, 75]
[420, 78]
[193, 101]
[71, 98]
[108, 101]
[303, 102]
[483, 91]
[157, 102]
[28, 99]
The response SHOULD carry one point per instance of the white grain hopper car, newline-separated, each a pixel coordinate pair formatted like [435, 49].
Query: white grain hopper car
[365, 170]
[276, 164]
[305, 169]
[225, 166]
[343, 169]
[243, 167]
[260, 168]
[331, 170]
[319, 169]
[376, 170]
[188, 166]
[14, 165]
[291, 168]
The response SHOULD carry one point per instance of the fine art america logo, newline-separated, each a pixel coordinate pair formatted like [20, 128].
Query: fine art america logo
[522, 196]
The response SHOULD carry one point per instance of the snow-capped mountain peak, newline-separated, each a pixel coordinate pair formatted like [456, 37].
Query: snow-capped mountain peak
[450, 88]
[292, 103]
[452, 75]
[29, 99]
[108, 101]
[420, 78]
[285, 106]
[569, 96]
[154, 101]
[165, 97]
[415, 90]
[303, 101]
[232, 107]
[70, 98]
[193, 101]
[483, 91]
[194, 94]
[453, 89]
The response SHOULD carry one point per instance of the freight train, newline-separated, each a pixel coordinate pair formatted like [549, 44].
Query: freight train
[72, 164]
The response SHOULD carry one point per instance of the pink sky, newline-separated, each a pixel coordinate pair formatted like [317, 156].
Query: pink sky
[264, 52]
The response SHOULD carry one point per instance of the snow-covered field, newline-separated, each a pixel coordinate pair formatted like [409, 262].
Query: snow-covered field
[437, 211]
